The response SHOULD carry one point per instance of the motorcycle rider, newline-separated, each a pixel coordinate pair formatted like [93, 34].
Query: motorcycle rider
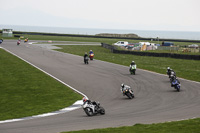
[18, 42]
[124, 87]
[85, 99]
[26, 40]
[174, 78]
[85, 55]
[170, 72]
[133, 64]
[91, 52]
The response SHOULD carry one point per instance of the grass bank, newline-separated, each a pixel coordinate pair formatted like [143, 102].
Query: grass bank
[185, 126]
[26, 91]
[188, 69]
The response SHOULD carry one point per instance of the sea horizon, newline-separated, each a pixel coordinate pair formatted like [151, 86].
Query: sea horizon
[189, 35]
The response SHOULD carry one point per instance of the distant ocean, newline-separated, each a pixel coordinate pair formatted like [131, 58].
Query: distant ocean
[87, 31]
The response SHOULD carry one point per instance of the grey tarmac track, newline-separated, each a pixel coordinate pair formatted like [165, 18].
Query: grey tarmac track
[155, 101]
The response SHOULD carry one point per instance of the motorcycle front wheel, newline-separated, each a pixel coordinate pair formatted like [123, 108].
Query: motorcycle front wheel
[88, 111]
[129, 96]
[102, 111]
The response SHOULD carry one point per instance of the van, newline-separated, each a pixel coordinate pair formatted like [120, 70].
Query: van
[121, 43]
[167, 44]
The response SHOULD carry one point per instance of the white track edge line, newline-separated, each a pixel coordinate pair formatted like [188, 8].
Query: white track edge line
[70, 108]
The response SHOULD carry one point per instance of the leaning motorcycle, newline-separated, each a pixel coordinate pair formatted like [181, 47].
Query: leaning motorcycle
[176, 85]
[172, 78]
[86, 60]
[26, 40]
[91, 109]
[18, 42]
[91, 56]
[132, 70]
[129, 93]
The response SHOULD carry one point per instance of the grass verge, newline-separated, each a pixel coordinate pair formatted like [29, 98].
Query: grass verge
[26, 91]
[185, 126]
[188, 69]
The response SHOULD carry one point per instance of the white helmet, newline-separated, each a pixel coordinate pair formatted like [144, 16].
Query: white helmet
[122, 85]
[133, 61]
[168, 68]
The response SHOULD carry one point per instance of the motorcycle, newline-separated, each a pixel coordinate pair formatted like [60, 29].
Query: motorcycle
[91, 56]
[93, 109]
[129, 93]
[171, 73]
[86, 60]
[18, 42]
[26, 40]
[132, 69]
[172, 77]
[176, 84]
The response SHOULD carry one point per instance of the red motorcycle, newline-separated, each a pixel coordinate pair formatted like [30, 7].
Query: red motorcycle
[18, 42]
[91, 56]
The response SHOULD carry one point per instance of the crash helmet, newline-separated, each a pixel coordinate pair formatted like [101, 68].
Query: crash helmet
[168, 68]
[122, 85]
[85, 99]
[133, 61]
[90, 50]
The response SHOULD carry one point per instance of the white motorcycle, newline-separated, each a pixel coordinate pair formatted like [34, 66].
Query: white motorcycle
[93, 108]
[129, 93]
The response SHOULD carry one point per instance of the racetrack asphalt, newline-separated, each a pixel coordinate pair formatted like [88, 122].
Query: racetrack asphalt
[155, 100]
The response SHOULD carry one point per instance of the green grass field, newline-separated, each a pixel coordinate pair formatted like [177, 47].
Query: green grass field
[188, 69]
[26, 91]
[185, 126]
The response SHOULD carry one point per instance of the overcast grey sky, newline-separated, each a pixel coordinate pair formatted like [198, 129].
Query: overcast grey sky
[173, 15]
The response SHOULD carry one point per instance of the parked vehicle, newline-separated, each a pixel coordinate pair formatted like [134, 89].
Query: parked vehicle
[146, 43]
[121, 43]
[193, 46]
[167, 44]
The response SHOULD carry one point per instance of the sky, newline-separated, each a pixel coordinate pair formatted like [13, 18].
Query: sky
[165, 15]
